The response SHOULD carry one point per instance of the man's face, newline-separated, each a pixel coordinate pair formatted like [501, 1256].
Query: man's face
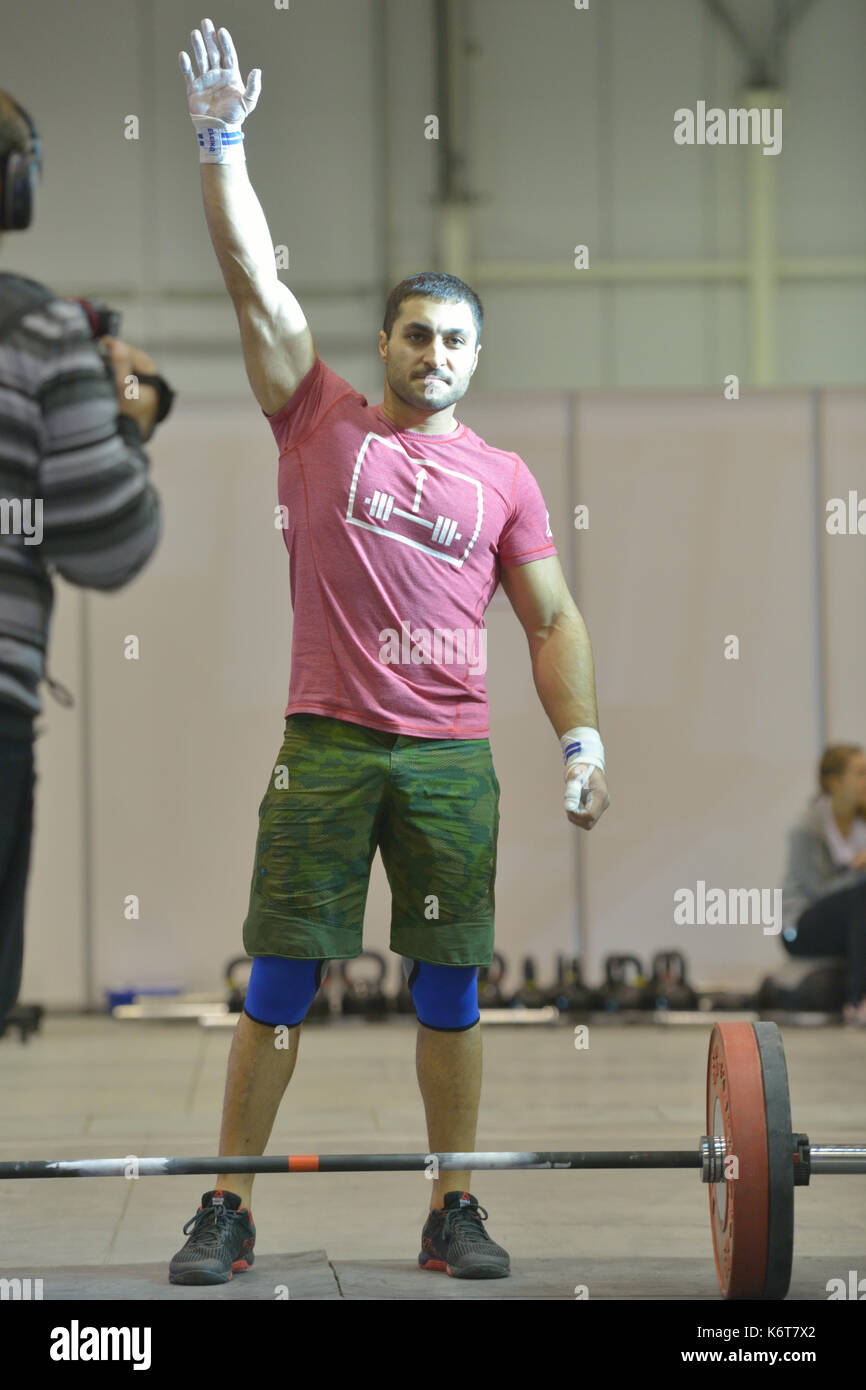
[431, 354]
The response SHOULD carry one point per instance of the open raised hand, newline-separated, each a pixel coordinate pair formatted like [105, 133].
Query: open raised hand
[218, 91]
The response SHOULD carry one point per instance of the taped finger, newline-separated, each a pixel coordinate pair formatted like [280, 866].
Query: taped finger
[576, 788]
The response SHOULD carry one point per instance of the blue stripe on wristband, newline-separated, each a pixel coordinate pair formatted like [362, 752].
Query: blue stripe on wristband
[220, 145]
[226, 137]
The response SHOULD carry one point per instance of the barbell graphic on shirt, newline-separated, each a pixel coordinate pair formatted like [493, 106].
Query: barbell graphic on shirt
[423, 503]
[443, 530]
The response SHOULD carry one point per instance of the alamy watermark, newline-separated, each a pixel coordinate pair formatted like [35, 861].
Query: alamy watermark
[16, 518]
[438, 646]
[736, 907]
[20, 1290]
[739, 125]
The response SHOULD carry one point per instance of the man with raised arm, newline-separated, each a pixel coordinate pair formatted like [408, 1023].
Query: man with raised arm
[401, 522]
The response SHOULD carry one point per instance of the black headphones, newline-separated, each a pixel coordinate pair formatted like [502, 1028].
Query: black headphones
[18, 175]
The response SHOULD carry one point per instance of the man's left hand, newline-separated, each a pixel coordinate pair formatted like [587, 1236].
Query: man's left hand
[595, 800]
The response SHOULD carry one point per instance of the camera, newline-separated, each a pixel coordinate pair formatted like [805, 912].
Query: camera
[104, 321]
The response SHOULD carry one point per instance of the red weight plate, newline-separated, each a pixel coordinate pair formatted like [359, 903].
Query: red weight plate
[739, 1206]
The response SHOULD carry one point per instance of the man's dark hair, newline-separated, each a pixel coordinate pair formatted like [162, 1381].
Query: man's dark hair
[445, 288]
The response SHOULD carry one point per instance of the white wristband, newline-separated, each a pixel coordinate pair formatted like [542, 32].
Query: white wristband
[582, 745]
[219, 142]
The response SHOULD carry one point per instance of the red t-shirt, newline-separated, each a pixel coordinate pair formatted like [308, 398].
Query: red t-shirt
[395, 542]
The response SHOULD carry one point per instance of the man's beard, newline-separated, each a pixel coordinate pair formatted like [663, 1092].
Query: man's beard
[438, 398]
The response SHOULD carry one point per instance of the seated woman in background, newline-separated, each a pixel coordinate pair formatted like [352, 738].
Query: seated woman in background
[824, 894]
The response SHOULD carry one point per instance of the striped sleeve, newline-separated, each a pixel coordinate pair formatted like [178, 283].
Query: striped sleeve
[101, 517]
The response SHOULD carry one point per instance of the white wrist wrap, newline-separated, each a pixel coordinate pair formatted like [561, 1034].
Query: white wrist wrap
[582, 745]
[219, 142]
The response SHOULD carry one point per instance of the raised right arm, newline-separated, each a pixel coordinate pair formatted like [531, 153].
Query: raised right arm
[277, 343]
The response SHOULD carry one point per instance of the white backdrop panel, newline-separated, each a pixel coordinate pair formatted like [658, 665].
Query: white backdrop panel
[700, 528]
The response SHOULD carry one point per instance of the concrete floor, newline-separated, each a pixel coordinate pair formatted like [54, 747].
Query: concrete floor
[98, 1088]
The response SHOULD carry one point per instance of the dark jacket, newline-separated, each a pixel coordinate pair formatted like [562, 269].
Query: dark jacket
[63, 440]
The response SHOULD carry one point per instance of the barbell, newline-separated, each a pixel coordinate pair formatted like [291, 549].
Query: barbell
[750, 1158]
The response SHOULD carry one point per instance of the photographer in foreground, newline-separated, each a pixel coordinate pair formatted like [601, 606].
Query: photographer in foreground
[75, 497]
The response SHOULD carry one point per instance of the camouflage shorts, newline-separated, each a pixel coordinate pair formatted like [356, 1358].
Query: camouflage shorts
[339, 791]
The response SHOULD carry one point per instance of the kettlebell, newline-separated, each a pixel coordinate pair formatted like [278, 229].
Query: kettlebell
[668, 986]
[490, 977]
[570, 995]
[237, 977]
[624, 980]
[529, 995]
[362, 994]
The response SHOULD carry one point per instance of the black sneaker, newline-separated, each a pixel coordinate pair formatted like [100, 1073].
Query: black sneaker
[454, 1240]
[222, 1240]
